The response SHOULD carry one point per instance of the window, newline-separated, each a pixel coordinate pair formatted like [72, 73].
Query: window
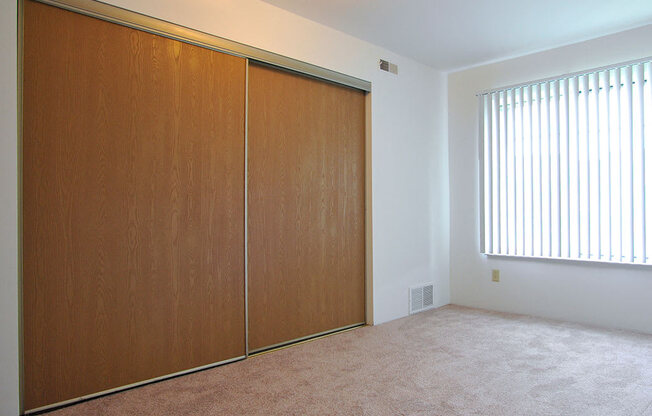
[566, 167]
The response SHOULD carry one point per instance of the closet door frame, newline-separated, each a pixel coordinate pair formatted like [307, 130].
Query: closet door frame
[184, 34]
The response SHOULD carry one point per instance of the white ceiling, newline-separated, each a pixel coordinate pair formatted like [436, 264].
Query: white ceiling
[452, 34]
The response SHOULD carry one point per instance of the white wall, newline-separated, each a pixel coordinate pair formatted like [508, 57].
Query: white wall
[409, 152]
[8, 212]
[604, 295]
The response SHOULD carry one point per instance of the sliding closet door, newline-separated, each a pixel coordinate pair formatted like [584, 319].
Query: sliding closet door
[306, 243]
[133, 192]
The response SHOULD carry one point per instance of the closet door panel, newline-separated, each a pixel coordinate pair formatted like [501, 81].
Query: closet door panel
[133, 205]
[305, 206]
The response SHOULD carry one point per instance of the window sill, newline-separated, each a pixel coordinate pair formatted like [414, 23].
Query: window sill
[566, 260]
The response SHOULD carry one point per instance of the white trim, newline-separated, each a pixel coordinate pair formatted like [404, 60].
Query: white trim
[566, 259]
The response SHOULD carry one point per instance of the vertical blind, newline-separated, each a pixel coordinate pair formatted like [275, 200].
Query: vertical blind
[566, 167]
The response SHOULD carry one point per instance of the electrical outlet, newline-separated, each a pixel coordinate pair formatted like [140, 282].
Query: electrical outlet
[495, 275]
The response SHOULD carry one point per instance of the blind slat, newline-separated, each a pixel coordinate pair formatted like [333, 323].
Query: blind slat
[539, 193]
[630, 165]
[640, 109]
[568, 167]
[489, 219]
[557, 171]
[619, 171]
[505, 166]
[607, 93]
[586, 183]
[547, 179]
[531, 216]
[576, 162]
[514, 176]
[595, 158]
[521, 173]
[483, 164]
[496, 173]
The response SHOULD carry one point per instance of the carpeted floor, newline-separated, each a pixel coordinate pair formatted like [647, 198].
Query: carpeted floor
[447, 361]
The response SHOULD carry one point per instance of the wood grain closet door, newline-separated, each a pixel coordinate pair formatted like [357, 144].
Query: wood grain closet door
[306, 143]
[133, 191]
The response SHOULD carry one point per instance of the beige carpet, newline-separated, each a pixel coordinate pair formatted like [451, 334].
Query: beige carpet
[448, 361]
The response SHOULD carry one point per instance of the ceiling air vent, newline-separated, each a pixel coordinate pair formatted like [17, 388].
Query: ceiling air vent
[421, 298]
[388, 66]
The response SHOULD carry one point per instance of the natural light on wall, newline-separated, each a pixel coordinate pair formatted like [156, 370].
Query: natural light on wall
[566, 167]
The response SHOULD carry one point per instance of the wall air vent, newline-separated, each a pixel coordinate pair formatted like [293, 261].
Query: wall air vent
[388, 66]
[421, 297]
